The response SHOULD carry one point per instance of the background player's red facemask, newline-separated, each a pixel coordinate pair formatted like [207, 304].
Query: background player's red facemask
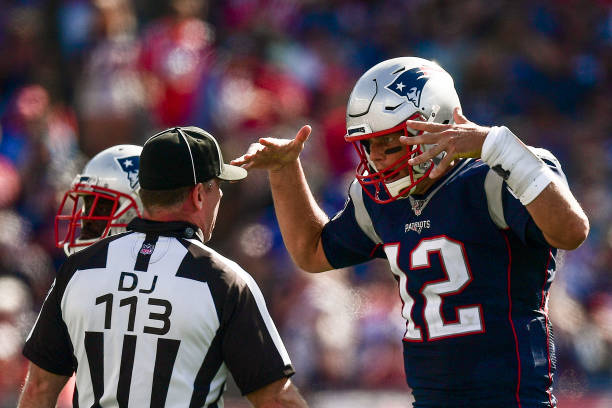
[88, 214]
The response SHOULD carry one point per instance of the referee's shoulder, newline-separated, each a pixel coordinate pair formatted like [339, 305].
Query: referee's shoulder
[90, 257]
[205, 264]
[89, 252]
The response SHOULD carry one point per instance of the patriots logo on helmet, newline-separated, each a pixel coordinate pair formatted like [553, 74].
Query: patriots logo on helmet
[130, 166]
[409, 84]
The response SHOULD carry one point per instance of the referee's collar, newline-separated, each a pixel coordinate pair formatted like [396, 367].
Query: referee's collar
[178, 229]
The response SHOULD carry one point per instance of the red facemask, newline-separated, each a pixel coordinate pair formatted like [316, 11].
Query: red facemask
[367, 175]
[88, 214]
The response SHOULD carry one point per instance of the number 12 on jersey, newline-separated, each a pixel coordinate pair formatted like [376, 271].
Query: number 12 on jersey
[458, 277]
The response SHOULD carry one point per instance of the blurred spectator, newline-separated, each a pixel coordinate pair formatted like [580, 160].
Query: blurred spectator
[39, 138]
[16, 315]
[252, 95]
[110, 95]
[177, 53]
[10, 183]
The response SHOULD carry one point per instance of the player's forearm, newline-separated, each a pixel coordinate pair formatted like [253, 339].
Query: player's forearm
[300, 218]
[549, 201]
[559, 216]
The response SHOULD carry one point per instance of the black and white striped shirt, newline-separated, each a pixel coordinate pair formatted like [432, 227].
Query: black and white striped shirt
[153, 317]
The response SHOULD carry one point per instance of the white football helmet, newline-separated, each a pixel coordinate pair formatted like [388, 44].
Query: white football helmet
[101, 201]
[387, 95]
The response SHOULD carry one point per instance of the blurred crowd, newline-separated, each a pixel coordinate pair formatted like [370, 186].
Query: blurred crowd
[77, 76]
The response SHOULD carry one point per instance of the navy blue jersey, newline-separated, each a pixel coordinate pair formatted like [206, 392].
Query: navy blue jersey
[473, 273]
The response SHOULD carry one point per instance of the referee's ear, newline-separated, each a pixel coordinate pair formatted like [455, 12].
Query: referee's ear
[197, 196]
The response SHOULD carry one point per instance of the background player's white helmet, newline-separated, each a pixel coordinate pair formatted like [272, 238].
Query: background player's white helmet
[387, 95]
[101, 201]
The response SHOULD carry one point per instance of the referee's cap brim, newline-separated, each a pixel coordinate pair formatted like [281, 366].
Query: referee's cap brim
[232, 173]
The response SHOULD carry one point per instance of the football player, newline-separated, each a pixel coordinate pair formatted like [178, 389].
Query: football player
[101, 201]
[470, 220]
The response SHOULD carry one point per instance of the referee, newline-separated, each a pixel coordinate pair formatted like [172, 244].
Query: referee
[153, 317]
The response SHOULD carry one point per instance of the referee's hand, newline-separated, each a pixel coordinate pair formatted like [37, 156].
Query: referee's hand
[272, 153]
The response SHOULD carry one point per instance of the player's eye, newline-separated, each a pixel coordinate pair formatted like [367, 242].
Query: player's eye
[388, 139]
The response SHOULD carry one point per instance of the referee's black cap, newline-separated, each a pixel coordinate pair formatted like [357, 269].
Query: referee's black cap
[181, 157]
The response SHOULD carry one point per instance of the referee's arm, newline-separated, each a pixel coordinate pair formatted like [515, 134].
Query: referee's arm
[41, 388]
[279, 394]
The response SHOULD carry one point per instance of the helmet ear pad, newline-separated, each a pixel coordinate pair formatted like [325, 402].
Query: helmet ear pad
[388, 94]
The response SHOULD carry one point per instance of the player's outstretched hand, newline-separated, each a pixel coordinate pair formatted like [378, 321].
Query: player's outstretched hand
[460, 139]
[273, 154]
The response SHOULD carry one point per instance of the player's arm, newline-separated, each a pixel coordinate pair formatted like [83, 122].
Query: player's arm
[300, 218]
[545, 195]
[279, 394]
[559, 216]
[41, 388]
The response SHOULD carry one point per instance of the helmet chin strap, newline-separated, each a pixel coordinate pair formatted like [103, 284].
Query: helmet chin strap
[398, 185]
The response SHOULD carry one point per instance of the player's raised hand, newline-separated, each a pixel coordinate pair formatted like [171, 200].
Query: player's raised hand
[272, 153]
[460, 139]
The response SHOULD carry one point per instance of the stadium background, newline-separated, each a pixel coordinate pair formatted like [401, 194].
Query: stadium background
[77, 76]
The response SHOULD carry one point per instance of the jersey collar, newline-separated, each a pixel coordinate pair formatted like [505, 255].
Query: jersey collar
[178, 229]
[418, 203]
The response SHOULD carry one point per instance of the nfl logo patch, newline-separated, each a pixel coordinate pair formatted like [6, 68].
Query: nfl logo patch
[147, 249]
[418, 206]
